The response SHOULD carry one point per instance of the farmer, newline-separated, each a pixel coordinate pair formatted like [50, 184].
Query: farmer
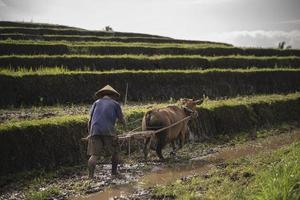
[101, 127]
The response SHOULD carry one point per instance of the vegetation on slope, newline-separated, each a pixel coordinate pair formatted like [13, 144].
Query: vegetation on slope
[114, 44]
[268, 176]
[52, 88]
[61, 70]
[69, 31]
[136, 62]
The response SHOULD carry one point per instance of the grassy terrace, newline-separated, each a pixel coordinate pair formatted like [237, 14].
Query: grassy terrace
[30, 47]
[69, 31]
[46, 37]
[60, 70]
[39, 28]
[132, 111]
[155, 57]
[219, 118]
[115, 44]
[30, 24]
[136, 62]
[49, 87]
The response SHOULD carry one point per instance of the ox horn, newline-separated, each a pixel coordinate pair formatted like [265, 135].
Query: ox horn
[183, 100]
[198, 102]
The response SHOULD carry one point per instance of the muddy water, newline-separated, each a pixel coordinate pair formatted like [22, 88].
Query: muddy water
[109, 193]
[200, 165]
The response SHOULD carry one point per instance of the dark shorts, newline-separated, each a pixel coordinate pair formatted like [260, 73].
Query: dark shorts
[103, 145]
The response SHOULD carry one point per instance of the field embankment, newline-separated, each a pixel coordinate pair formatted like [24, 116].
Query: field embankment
[15, 47]
[209, 168]
[33, 25]
[142, 62]
[68, 31]
[52, 142]
[51, 88]
[89, 38]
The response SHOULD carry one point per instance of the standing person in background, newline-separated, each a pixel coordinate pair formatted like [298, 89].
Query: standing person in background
[101, 127]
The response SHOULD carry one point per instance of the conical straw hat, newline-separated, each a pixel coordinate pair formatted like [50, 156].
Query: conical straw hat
[107, 90]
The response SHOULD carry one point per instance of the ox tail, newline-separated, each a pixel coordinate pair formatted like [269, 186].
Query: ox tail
[146, 120]
[151, 121]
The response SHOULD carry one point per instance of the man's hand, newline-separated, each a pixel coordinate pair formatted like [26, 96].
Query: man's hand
[89, 126]
[122, 121]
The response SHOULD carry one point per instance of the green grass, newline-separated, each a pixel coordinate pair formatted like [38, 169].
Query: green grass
[281, 180]
[246, 100]
[37, 28]
[21, 71]
[116, 44]
[156, 39]
[31, 24]
[74, 30]
[45, 194]
[155, 57]
[42, 28]
[131, 112]
[267, 176]
[54, 121]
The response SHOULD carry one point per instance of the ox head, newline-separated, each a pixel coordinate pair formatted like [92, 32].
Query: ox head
[190, 105]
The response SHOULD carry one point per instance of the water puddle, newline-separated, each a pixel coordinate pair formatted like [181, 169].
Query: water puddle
[164, 175]
[109, 193]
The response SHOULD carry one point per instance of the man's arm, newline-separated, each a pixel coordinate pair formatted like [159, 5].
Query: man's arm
[90, 119]
[89, 125]
[120, 115]
[121, 118]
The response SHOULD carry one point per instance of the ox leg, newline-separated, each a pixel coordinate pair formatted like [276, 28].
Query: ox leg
[147, 147]
[173, 152]
[159, 148]
[181, 140]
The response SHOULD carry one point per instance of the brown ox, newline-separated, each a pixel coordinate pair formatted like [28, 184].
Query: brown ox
[158, 118]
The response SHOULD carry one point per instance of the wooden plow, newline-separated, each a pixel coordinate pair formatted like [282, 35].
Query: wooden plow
[145, 134]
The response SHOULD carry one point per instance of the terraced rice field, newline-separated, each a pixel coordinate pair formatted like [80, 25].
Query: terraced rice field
[49, 73]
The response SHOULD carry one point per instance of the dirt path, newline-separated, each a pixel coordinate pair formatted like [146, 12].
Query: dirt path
[140, 177]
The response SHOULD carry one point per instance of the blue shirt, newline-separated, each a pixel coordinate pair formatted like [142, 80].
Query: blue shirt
[103, 115]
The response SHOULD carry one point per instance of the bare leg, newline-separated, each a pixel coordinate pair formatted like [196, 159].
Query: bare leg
[114, 163]
[91, 165]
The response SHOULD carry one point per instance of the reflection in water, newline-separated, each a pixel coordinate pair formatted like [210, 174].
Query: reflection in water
[171, 174]
[108, 193]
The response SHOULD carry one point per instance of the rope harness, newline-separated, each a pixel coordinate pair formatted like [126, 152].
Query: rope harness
[151, 133]
[146, 134]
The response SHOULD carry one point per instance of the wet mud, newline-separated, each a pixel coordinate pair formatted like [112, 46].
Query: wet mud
[139, 177]
[163, 175]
